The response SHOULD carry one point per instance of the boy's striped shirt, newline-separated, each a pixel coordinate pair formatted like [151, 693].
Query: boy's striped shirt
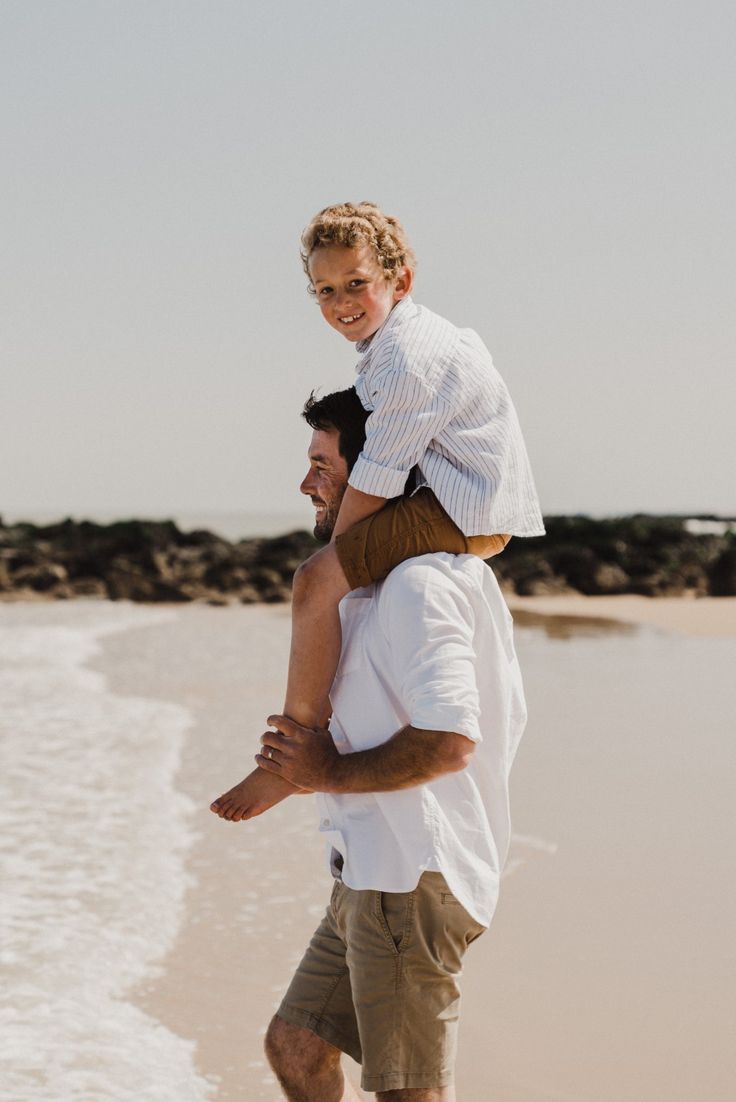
[437, 401]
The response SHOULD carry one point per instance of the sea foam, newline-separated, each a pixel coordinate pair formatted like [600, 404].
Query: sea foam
[93, 840]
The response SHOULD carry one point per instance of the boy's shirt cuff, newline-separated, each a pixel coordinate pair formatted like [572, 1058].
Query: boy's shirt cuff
[372, 478]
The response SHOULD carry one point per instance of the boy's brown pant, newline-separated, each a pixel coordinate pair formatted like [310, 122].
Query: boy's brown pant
[403, 528]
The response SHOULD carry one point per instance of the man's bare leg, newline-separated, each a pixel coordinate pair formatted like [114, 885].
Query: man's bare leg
[307, 1067]
[316, 638]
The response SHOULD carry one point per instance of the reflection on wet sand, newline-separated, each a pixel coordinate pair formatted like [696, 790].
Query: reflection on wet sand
[572, 627]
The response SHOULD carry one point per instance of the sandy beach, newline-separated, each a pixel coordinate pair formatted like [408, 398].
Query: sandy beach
[608, 972]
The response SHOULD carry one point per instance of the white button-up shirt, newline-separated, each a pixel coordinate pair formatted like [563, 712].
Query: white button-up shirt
[436, 400]
[430, 646]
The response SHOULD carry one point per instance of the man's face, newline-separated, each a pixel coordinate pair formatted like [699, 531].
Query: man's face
[326, 480]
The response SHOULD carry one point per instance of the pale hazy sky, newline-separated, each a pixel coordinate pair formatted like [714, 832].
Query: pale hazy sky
[566, 171]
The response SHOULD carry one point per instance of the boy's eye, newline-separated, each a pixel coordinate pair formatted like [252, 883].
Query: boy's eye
[325, 291]
[357, 282]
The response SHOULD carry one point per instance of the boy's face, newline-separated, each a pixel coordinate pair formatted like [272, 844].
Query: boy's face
[352, 290]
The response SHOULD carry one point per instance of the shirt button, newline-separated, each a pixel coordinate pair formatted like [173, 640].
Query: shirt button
[326, 823]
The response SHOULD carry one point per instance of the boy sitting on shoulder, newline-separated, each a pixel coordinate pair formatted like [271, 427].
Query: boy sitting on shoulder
[436, 402]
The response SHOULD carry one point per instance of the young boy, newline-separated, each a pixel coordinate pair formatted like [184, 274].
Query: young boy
[436, 403]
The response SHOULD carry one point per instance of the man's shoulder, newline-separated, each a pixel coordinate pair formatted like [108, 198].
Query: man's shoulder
[421, 578]
[422, 596]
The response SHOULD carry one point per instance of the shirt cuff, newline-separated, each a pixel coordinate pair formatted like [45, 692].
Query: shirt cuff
[372, 478]
[460, 721]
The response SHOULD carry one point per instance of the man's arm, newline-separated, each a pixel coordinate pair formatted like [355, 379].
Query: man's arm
[411, 757]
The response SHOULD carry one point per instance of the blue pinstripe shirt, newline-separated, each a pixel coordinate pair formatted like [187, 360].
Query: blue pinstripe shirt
[436, 400]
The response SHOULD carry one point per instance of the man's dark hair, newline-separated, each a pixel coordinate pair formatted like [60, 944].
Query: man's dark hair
[343, 412]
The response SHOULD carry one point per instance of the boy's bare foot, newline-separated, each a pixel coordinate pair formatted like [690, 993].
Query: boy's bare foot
[255, 794]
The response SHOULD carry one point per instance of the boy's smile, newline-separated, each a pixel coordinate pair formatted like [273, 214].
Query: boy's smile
[352, 290]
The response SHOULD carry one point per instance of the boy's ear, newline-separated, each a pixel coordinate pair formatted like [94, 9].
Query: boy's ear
[403, 283]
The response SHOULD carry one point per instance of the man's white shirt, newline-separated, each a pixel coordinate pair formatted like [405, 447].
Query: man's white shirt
[431, 647]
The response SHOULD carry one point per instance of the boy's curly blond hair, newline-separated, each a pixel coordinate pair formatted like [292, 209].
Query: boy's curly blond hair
[355, 224]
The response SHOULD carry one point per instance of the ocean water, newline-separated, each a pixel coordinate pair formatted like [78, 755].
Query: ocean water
[95, 835]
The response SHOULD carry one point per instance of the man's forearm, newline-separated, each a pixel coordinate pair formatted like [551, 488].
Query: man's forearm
[411, 757]
[309, 758]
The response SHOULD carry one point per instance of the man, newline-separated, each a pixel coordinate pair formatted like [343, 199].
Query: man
[412, 790]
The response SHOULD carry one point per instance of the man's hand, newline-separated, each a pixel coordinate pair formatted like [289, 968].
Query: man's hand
[304, 756]
[308, 757]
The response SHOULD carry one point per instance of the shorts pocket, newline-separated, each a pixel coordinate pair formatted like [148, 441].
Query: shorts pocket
[471, 930]
[394, 911]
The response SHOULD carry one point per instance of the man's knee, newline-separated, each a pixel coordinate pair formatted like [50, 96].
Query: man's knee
[294, 1051]
[319, 575]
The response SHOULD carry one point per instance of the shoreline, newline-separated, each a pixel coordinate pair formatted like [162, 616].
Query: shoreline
[252, 902]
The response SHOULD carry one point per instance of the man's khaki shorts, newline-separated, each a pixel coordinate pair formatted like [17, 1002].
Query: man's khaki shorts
[380, 982]
[403, 528]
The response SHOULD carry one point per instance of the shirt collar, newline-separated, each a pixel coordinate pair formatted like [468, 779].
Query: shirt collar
[397, 313]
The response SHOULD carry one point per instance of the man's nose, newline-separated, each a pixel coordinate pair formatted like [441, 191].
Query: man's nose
[307, 483]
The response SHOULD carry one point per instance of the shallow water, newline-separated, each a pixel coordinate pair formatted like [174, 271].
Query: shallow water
[95, 837]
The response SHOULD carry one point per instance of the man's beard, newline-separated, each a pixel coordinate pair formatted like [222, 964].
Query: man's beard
[324, 528]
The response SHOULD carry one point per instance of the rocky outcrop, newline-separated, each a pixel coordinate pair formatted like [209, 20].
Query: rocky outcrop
[154, 561]
[653, 556]
[146, 561]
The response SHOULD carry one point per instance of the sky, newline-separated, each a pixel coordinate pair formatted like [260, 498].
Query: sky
[565, 171]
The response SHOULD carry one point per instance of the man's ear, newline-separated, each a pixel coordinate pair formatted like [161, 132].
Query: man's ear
[403, 283]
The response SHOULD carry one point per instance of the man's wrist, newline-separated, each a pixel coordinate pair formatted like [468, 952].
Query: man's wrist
[337, 776]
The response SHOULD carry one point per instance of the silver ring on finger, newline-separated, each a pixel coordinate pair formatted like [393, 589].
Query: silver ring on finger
[269, 754]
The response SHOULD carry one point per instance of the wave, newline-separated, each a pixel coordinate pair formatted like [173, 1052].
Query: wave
[94, 838]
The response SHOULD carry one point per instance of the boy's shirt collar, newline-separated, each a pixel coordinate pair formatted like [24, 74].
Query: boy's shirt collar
[397, 313]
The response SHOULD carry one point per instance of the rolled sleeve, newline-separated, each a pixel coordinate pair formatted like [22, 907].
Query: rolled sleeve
[430, 629]
[458, 720]
[407, 416]
[372, 478]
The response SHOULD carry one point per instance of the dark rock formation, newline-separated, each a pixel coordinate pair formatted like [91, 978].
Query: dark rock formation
[723, 573]
[146, 561]
[154, 561]
[654, 556]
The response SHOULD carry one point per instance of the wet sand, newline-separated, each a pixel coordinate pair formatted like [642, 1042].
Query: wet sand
[608, 972]
[701, 616]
